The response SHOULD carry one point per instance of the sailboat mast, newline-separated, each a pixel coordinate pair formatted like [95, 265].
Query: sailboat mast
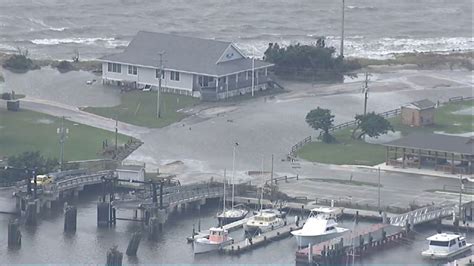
[225, 180]
[233, 175]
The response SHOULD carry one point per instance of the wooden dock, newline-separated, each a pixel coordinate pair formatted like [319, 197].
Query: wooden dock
[260, 240]
[229, 227]
[359, 243]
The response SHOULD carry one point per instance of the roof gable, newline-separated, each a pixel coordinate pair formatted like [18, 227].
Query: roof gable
[231, 53]
[421, 105]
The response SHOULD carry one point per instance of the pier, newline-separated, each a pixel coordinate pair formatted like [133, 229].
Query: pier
[259, 240]
[351, 245]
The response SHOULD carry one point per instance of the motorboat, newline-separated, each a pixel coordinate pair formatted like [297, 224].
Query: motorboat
[320, 226]
[279, 213]
[232, 215]
[218, 238]
[445, 246]
[263, 222]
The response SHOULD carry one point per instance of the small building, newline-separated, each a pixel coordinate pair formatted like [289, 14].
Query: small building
[131, 172]
[209, 69]
[452, 154]
[418, 114]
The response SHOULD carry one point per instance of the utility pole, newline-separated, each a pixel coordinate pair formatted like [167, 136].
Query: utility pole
[116, 134]
[253, 74]
[461, 185]
[62, 132]
[158, 108]
[342, 28]
[366, 91]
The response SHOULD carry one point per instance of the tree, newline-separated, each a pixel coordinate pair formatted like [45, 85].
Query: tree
[33, 160]
[321, 119]
[372, 125]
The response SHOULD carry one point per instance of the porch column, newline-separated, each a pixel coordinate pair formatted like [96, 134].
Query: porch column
[217, 88]
[452, 163]
[419, 159]
[403, 158]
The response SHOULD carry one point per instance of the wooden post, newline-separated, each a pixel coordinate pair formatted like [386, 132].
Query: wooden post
[452, 163]
[133, 244]
[103, 213]
[14, 234]
[436, 161]
[114, 257]
[153, 228]
[419, 159]
[31, 213]
[403, 157]
[70, 219]
[386, 155]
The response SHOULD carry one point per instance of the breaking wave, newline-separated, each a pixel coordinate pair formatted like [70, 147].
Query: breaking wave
[106, 42]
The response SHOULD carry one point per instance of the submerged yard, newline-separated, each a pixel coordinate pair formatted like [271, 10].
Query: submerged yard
[453, 118]
[139, 108]
[31, 131]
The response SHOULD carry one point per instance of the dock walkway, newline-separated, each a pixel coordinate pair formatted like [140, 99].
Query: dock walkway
[260, 240]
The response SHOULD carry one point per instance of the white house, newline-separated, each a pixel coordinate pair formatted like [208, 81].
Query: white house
[204, 68]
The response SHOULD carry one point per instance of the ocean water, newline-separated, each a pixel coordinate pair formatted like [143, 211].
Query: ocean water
[374, 28]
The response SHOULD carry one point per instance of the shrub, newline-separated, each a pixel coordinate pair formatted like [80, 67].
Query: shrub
[19, 63]
[64, 66]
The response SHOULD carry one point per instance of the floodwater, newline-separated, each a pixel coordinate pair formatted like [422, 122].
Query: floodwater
[55, 28]
[47, 243]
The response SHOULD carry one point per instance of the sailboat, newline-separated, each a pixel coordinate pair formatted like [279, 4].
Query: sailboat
[237, 212]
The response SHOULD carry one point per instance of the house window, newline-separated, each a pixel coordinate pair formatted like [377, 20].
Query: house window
[174, 75]
[132, 70]
[157, 74]
[113, 67]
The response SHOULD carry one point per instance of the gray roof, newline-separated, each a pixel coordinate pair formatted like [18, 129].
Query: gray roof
[435, 142]
[422, 104]
[131, 168]
[181, 53]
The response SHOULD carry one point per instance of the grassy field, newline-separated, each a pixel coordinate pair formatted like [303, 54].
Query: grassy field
[354, 152]
[30, 131]
[139, 108]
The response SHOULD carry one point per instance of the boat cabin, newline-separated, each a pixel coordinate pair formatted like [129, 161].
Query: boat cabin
[326, 212]
[218, 235]
[446, 242]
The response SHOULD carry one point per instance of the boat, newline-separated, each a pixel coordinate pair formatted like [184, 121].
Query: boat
[218, 238]
[263, 222]
[320, 226]
[236, 212]
[445, 246]
[278, 213]
[229, 216]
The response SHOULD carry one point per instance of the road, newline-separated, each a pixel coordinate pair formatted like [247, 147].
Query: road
[200, 146]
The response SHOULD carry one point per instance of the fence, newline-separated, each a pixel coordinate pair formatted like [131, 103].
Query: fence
[352, 123]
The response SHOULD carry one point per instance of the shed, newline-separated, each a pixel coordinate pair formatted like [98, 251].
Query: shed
[419, 113]
[131, 172]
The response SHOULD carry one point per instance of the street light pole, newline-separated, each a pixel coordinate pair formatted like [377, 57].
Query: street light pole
[378, 187]
[461, 185]
[342, 29]
[116, 133]
[158, 108]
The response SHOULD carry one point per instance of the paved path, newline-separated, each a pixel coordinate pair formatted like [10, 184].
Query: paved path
[201, 145]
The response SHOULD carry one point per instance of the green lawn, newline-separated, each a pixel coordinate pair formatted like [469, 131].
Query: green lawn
[30, 131]
[349, 151]
[139, 108]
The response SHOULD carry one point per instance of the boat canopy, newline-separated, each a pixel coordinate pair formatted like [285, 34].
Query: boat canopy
[443, 237]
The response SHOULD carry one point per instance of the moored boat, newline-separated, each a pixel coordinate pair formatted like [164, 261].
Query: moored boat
[217, 239]
[445, 246]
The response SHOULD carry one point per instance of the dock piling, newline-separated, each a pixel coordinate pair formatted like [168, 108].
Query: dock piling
[31, 213]
[114, 257]
[14, 234]
[133, 244]
[70, 219]
[103, 214]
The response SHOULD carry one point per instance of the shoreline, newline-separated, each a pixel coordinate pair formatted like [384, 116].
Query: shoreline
[418, 60]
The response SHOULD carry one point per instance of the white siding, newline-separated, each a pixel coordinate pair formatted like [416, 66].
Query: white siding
[147, 76]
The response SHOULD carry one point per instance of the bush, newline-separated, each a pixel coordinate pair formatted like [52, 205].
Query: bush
[64, 66]
[19, 64]
[6, 96]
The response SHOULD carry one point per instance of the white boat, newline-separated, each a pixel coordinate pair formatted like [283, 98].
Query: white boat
[263, 222]
[217, 239]
[320, 226]
[445, 246]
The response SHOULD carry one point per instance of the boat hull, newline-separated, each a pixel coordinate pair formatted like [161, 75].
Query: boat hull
[251, 229]
[228, 220]
[441, 256]
[205, 247]
[304, 241]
